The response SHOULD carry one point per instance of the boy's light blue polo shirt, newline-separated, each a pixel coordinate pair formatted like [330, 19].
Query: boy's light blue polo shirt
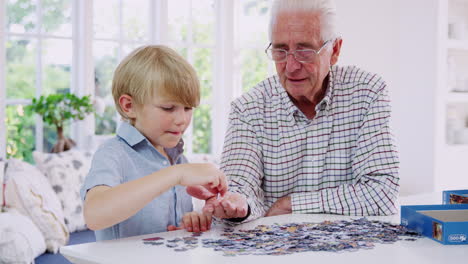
[130, 156]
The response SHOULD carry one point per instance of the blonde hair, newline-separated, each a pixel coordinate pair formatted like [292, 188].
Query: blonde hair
[155, 69]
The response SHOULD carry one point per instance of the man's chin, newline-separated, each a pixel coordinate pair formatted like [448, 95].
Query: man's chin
[296, 91]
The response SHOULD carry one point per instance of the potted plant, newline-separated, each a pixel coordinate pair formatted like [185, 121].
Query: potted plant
[57, 109]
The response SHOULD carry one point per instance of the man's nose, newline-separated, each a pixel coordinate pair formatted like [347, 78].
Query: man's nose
[291, 63]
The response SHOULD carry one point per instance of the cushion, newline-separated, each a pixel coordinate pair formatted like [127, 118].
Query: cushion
[20, 239]
[30, 192]
[66, 172]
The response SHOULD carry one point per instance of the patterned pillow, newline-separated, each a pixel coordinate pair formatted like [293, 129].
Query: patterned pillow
[20, 239]
[66, 172]
[30, 193]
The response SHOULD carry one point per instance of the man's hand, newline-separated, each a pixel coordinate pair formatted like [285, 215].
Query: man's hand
[280, 207]
[232, 205]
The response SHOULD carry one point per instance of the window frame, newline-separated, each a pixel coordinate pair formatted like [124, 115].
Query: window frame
[40, 37]
[227, 79]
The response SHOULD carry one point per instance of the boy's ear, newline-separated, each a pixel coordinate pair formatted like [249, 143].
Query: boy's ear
[127, 105]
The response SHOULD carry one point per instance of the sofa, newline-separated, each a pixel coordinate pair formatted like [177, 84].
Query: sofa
[41, 209]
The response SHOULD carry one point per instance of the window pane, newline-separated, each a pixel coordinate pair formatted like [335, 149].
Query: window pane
[127, 48]
[202, 129]
[254, 67]
[21, 15]
[106, 18]
[252, 23]
[21, 70]
[203, 64]
[57, 61]
[135, 19]
[181, 51]
[178, 20]
[56, 17]
[20, 133]
[105, 60]
[203, 14]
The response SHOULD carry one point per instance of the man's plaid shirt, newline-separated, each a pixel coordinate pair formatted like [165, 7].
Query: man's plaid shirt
[343, 161]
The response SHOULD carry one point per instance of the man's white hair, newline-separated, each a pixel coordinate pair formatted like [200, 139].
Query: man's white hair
[326, 9]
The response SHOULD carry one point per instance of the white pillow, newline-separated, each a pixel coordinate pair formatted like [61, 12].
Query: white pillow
[20, 240]
[66, 172]
[29, 191]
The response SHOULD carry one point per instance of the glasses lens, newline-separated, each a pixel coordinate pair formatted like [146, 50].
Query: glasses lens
[305, 55]
[276, 54]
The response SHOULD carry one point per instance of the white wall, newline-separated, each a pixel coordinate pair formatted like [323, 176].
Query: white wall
[397, 39]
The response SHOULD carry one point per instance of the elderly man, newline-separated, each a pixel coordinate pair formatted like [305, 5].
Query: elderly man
[313, 139]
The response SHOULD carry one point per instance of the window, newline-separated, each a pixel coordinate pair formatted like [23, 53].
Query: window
[38, 57]
[116, 32]
[251, 31]
[70, 45]
[191, 28]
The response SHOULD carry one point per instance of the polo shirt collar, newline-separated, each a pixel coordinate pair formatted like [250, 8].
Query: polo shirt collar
[130, 134]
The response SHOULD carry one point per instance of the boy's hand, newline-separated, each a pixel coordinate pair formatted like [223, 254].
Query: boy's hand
[204, 174]
[200, 192]
[193, 222]
[232, 205]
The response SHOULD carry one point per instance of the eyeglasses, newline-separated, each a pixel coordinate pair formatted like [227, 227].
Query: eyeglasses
[302, 55]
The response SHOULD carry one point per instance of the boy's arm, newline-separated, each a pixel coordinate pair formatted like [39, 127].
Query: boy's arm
[106, 206]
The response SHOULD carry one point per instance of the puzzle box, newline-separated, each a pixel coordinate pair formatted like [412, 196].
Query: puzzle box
[446, 224]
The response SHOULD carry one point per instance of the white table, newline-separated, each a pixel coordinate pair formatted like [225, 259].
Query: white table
[132, 250]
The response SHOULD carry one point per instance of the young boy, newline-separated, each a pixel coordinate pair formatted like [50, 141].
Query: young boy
[136, 182]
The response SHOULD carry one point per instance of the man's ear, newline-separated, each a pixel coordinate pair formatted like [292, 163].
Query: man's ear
[336, 51]
[127, 105]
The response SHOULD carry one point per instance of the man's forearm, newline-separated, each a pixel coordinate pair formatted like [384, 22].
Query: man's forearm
[372, 198]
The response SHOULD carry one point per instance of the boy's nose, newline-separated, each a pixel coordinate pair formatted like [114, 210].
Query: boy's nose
[181, 118]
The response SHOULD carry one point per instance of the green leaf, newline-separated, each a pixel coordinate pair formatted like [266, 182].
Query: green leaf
[55, 109]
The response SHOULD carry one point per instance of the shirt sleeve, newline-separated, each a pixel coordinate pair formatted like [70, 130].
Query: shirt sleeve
[105, 170]
[375, 167]
[242, 162]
